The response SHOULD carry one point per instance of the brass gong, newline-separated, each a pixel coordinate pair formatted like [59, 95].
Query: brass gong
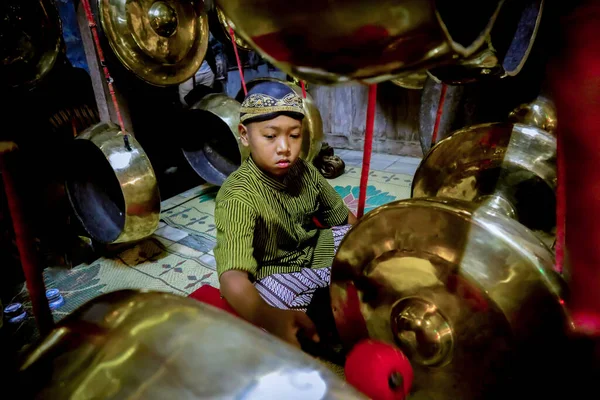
[162, 42]
[113, 191]
[469, 296]
[226, 24]
[155, 346]
[342, 40]
[510, 167]
[30, 41]
[212, 148]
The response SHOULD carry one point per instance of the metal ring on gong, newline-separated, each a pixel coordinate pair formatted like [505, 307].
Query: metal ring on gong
[162, 42]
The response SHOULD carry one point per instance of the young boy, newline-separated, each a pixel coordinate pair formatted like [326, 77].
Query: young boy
[271, 256]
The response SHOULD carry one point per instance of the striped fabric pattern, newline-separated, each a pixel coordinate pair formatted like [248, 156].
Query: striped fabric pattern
[266, 227]
[294, 291]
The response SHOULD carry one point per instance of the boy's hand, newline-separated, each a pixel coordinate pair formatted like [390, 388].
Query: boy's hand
[288, 324]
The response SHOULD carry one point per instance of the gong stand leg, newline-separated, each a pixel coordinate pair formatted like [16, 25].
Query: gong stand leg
[364, 176]
[28, 255]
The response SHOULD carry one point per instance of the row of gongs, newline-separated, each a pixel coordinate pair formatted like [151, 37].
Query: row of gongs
[457, 282]
[164, 42]
[115, 192]
[460, 277]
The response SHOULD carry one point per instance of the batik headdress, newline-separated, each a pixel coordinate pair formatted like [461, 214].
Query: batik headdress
[267, 100]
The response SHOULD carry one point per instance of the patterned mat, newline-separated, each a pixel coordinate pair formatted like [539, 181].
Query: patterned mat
[178, 258]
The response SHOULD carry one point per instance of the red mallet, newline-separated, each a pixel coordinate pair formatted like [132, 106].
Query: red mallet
[379, 370]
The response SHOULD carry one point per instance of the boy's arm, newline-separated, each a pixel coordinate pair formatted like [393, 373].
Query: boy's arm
[234, 254]
[247, 302]
[333, 211]
[243, 296]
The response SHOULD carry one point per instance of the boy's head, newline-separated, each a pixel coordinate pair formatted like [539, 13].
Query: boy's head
[271, 126]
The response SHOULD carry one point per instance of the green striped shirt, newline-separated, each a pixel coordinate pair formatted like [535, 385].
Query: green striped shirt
[266, 227]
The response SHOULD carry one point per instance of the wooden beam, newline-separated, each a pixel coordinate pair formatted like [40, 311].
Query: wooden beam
[106, 109]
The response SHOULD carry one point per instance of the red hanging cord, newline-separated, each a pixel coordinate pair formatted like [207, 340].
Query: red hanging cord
[303, 89]
[109, 80]
[28, 254]
[438, 116]
[364, 177]
[237, 57]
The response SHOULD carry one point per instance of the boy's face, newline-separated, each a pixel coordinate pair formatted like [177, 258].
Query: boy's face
[274, 144]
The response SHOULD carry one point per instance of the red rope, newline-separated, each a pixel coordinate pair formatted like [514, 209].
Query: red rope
[303, 89]
[364, 177]
[438, 116]
[28, 255]
[109, 80]
[237, 57]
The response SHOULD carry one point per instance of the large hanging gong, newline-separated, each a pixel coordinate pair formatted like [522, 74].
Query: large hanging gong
[469, 296]
[30, 41]
[340, 40]
[162, 42]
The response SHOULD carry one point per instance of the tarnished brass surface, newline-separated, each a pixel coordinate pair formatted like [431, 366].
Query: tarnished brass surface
[213, 149]
[469, 296]
[222, 106]
[340, 40]
[30, 39]
[540, 113]
[126, 209]
[512, 161]
[312, 126]
[163, 42]
[226, 24]
[150, 345]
